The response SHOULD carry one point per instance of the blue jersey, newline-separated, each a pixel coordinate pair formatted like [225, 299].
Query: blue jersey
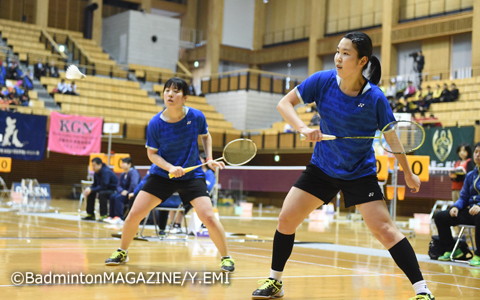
[177, 143]
[343, 115]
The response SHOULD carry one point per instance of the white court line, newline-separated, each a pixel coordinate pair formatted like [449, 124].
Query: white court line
[373, 273]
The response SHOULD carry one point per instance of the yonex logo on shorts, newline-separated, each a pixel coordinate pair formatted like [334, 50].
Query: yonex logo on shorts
[371, 194]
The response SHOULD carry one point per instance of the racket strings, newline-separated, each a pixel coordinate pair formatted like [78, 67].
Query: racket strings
[409, 138]
[239, 152]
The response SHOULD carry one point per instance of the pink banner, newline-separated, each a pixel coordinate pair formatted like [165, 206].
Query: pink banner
[76, 135]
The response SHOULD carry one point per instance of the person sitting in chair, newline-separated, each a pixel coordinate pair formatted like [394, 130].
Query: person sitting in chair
[466, 210]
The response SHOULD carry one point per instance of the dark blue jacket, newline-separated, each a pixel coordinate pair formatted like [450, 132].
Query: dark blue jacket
[128, 181]
[104, 180]
[470, 193]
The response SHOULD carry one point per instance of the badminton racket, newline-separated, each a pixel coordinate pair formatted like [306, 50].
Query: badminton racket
[74, 73]
[398, 137]
[236, 153]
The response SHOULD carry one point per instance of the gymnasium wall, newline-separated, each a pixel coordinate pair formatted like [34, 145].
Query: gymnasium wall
[149, 39]
[247, 109]
[238, 23]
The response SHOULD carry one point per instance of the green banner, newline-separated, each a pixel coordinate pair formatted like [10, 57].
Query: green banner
[441, 143]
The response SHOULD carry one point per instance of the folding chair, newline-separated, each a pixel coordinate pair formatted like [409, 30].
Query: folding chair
[177, 209]
[85, 184]
[4, 191]
[469, 234]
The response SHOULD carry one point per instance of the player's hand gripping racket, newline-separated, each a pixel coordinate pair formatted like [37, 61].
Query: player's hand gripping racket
[236, 153]
[398, 137]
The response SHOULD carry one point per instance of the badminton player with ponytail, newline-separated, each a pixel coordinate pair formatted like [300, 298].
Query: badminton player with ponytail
[172, 145]
[349, 105]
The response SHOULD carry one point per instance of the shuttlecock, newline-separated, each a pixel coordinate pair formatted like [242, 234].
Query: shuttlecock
[74, 73]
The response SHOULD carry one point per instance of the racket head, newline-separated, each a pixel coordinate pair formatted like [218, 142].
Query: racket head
[239, 152]
[410, 136]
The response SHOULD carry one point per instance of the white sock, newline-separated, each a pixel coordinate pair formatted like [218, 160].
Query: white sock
[420, 287]
[276, 275]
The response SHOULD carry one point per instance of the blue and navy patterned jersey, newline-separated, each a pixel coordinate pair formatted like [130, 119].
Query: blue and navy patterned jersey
[177, 142]
[343, 115]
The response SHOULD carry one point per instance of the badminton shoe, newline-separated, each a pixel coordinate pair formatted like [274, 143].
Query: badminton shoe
[446, 256]
[423, 297]
[117, 258]
[227, 264]
[270, 289]
[475, 261]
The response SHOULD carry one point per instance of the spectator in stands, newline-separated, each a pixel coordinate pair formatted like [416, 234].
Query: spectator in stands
[52, 70]
[466, 210]
[126, 184]
[61, 87]
[410, 90]
[39, 69]
[460, 169]
[454, 92]
[172, 144]
[3, 74]
[445, 96]
[13, 71]
[71, 89]
[315, 121]
[437, 93]
[104, 185]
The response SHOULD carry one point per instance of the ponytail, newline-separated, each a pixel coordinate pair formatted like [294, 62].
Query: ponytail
[374, 70]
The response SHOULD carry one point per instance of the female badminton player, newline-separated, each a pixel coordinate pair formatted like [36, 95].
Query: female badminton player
[172, 145]
[349, 105]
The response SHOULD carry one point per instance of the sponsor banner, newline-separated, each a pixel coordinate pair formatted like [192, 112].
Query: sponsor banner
[75, 135]
[22, 136]
[41, 191]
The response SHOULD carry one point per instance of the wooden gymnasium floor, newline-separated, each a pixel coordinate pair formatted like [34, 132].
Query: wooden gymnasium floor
[337, 260]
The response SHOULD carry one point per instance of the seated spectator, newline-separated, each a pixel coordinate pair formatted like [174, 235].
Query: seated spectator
[410, 90]
[436, 94]
[61, 87]
[466, 210]
[71, 89]
[52, 70]
[315, 121]
[454, 93]
[104, 185]
[39, 69]
[445, 96]
[127, 183]
[13, 71]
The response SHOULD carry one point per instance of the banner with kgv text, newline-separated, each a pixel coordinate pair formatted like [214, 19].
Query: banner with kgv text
[22, 136]
[441, 143]
[75, 135]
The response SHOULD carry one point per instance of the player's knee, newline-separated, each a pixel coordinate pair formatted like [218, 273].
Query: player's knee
[208, 220]
[386, 233]
[286, 224]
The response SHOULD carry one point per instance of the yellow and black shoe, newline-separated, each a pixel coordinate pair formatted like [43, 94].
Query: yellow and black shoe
[270, 289]
[423, 297]
[227, 264]
[117, 258]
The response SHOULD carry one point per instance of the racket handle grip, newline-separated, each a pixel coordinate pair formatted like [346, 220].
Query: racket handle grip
[325, 137]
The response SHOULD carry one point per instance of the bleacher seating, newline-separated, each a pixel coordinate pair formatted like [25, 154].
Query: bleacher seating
[25, 41]
[465, 111]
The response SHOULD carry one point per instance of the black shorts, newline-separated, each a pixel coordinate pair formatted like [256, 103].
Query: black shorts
[163, 188]
[324, 187]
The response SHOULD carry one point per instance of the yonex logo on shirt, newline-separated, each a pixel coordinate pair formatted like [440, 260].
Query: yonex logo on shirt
[361, 105]
[188, 123]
